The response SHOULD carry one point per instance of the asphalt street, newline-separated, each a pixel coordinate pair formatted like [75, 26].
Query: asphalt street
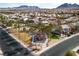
[10, 47]
[61, 48]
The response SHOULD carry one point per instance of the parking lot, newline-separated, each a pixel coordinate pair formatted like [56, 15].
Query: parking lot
[10, 47]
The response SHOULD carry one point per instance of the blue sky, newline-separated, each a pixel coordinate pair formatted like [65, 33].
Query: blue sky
[39, 3]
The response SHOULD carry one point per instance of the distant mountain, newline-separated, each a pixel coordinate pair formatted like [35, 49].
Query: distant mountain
[23, 8]
[67, 5]
[27, 7]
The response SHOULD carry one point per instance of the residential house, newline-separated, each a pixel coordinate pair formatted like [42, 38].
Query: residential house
[39, 39]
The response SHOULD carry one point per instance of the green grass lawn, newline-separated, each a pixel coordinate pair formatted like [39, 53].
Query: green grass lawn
[53, 36]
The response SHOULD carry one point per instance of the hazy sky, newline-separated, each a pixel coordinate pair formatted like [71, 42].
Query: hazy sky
[39, 3]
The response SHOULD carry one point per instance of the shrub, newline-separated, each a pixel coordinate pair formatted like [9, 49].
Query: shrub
[70, 53]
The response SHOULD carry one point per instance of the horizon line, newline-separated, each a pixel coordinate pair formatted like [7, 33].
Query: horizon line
[40, 5]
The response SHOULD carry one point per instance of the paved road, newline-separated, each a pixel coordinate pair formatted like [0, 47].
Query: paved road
[10, 47]
[62, 47]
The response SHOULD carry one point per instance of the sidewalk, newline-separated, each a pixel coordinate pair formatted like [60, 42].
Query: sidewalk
[1, 53]
[75, 49]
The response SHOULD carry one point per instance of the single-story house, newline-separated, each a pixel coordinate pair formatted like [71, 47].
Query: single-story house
[39, 38]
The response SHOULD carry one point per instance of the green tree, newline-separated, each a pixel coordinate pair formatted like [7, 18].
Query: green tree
[43, 28]
[3, 19]
[10, 22]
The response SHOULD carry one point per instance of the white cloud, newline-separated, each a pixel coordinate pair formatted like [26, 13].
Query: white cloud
[39, 1]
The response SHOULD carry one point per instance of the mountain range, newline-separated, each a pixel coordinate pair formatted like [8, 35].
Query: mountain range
[36, 8]
[27, 7]
[67, 5]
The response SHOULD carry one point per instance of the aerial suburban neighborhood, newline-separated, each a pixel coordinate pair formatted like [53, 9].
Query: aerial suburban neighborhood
[34, 31]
